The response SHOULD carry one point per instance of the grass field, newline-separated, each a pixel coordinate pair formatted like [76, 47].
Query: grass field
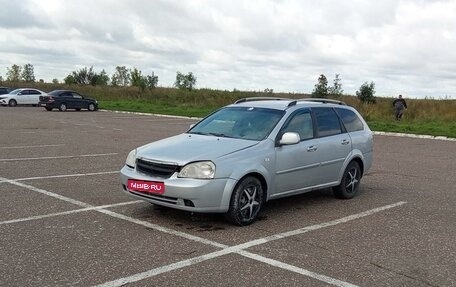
[423, 116]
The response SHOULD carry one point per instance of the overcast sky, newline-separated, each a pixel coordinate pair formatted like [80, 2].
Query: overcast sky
[406, 47]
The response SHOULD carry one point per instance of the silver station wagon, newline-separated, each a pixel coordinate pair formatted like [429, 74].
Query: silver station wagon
[252, 151]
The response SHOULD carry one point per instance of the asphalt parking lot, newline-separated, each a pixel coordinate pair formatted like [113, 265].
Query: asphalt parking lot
[64, 220]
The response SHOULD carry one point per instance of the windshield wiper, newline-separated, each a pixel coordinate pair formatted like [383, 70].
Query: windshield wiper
[220, 135]
[212, 134]
[198, 133]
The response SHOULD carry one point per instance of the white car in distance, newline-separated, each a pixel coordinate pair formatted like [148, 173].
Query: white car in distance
[22, 97]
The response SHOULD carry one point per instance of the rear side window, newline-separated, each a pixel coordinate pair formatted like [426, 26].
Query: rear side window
[76, 96]
[34, 92]
[351, 120]
[327, 122]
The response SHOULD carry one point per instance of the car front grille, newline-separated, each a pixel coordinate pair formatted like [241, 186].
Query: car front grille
[156, 169]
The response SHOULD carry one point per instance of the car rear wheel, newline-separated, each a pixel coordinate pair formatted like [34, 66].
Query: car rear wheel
[62, 107]
[91, 107]
[349, 185]
[12, 103]
[246, 201]
[48, 109]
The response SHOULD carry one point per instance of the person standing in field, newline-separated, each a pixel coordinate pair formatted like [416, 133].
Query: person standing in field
[399, 105]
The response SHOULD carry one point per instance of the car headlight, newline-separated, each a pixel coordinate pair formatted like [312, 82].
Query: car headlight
[200, 169]
[131, 159]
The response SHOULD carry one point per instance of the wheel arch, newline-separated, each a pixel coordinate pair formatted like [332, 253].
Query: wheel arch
[360, 163]
[260, 177]
[12, 100]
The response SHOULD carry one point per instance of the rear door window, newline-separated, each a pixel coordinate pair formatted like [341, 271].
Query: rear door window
[77, 96]
[351, 120]
[34, 92]
[327, 122]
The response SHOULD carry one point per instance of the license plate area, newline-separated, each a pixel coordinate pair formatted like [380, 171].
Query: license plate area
[147, 187]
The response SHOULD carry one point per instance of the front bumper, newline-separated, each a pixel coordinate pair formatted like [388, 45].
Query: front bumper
[196, 195]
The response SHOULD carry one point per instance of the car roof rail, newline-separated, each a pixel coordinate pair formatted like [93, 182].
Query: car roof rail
[322, 100]
[251, 99]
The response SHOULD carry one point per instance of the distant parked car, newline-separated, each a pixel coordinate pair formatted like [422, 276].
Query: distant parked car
[4, 90]
[66, 99]
[21, 97]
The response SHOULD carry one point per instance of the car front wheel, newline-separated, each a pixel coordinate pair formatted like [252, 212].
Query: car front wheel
[349, 184]
[91, 107]
[12, 103]
[62, 107]
[246, 201]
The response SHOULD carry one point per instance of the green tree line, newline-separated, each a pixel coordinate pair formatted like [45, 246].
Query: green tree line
[124, 77]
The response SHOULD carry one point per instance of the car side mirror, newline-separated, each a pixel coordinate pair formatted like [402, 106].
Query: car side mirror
[289, 138]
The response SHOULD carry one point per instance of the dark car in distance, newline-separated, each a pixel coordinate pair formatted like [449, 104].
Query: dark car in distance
[67, 99]
[4, 90]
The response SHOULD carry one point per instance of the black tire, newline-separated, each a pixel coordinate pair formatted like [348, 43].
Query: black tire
[91, 107]
[349, 184]
[12, 103]
[78, 109]
[246, 201]
[48, 109]
[62, 107]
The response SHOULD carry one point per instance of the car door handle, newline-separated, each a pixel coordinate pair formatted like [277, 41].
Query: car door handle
[312, 148]
[345, 142]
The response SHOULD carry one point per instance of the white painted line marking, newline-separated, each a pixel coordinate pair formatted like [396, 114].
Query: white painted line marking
[67, 175]
[56, 157]
[316, 226]
[117, 129]
[415, 136]
[31, 146]
[153, 115]
[68, 212]
[285, 266]
[28, 132]
[48, 193]
[239, 249]
[163, 229]
[117, 215]
[163, 269]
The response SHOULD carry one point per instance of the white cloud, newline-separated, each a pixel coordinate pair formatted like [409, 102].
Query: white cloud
[406, 46]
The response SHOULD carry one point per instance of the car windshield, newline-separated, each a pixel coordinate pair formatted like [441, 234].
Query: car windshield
[16, 91]
[239, 122]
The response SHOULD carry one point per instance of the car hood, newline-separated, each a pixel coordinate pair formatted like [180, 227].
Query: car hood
[185, 148]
